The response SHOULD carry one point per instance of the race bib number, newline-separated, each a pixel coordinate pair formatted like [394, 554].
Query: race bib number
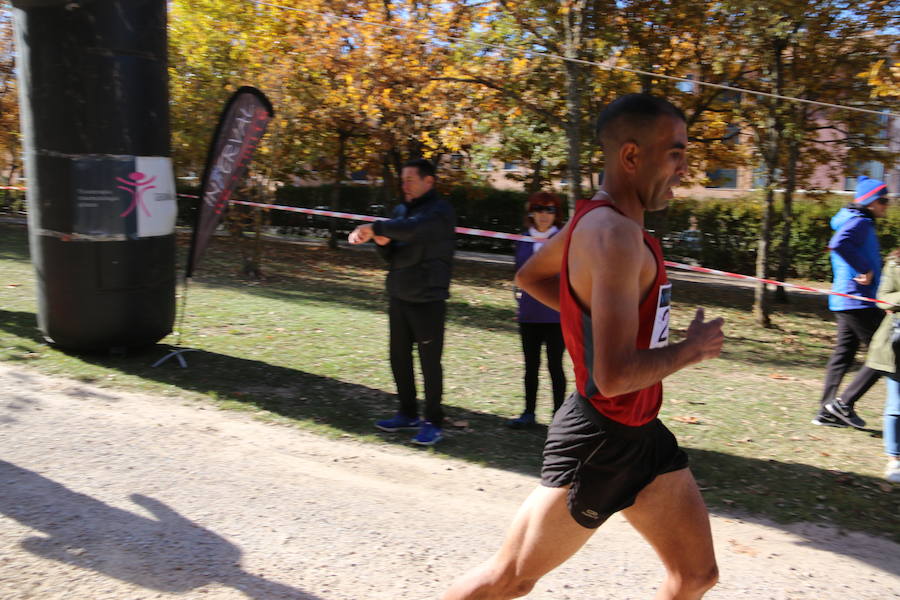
[660, 336]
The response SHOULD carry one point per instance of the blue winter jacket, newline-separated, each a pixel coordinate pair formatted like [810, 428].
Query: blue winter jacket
[854, 250]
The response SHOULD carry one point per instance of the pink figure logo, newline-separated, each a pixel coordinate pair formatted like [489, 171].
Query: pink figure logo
[136, 187]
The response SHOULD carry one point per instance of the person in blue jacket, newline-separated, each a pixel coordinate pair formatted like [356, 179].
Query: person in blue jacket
[856, 267]
[539, 324]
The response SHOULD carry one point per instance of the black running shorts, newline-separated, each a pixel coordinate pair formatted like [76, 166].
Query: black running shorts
[606, 463]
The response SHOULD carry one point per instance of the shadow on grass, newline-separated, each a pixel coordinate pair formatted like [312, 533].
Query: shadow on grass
[165, 552]
[710, 293]
[361, 297]
[15, 242]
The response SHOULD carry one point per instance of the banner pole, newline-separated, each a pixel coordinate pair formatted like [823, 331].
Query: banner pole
[178, 351]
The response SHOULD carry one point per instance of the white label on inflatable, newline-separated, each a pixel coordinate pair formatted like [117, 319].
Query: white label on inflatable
[153, 186]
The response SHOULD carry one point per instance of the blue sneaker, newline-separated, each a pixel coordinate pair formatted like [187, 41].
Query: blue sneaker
[524, 421]
[398, 422]
[428, 435]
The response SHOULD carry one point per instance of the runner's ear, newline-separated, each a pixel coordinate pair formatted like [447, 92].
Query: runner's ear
[628, 156]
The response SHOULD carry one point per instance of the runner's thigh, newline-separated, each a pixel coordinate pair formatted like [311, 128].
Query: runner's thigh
[542, 535]
[671, 515]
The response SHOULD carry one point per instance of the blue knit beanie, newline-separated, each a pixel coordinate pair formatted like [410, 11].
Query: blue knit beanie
[868, 190]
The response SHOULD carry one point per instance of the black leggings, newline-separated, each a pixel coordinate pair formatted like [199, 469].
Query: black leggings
[533, 336]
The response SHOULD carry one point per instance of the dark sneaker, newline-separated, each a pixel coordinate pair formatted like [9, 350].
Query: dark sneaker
[398, 422]
[523, 422]
[828, 419]
[845, 413]
[429, 434]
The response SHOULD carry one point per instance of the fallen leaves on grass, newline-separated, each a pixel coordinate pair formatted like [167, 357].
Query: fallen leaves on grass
[689, 420]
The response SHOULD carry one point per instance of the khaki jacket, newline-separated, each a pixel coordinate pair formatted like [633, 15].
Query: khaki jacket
[881, 354]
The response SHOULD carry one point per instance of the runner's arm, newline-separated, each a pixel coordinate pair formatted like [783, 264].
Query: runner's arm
[619, 367]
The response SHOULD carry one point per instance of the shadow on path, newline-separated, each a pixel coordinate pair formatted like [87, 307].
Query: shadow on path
[735, 484]
[167, 552]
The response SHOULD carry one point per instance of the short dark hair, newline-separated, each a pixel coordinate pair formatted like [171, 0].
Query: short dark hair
[623, 118]
[424, 166]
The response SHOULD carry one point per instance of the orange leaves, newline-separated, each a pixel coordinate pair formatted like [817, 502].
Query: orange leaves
[690, 420]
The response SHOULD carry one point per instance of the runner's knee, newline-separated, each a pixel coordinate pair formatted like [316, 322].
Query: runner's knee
[506, 582]
[697, 581]
[515, 586]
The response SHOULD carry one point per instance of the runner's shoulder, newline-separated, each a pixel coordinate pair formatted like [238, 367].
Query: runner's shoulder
[606, 228]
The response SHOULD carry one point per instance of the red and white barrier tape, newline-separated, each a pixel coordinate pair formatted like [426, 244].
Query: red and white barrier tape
[519, 237]
[12, 187]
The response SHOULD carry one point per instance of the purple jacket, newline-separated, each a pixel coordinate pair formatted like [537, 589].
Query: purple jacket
[530, 310]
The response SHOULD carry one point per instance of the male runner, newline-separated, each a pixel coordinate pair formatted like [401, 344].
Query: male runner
[606, 451]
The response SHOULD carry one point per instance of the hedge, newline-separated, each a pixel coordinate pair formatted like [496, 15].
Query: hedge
[730, 233]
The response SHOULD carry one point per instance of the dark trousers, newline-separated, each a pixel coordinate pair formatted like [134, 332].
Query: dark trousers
[534, 335]
[853, 328]
[420, 323]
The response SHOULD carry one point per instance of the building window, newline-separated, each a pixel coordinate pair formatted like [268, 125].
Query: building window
[871, 168]
[511, 165]
[759, 177]
[722, 178]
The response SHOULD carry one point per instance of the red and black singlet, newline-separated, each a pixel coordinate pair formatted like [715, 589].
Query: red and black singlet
[635, 408]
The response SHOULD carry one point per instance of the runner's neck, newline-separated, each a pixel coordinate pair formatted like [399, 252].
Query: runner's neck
[639, 218]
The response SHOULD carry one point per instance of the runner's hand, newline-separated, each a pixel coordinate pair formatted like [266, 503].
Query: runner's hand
[706, 336]
[381, 240]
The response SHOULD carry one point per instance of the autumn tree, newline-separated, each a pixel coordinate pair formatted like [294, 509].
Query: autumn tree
[700, 42]
[555, 92]
[10, 142]
[809, 50]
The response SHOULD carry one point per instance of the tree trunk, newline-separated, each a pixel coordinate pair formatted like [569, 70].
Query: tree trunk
[537, 177]
[573, 25]
[7, 194]
[772, 148]
[394, 163]
[340, 173]
[761, 308]
[787, 217]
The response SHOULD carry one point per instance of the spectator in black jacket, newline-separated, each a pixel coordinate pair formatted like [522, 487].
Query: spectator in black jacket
[418, 244]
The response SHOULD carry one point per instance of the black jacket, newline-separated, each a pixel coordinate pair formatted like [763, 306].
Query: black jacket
[420, 254]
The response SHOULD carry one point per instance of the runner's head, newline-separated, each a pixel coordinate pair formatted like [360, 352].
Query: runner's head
[644, 139]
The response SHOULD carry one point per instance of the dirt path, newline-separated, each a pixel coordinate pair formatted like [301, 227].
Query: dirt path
[113, 495]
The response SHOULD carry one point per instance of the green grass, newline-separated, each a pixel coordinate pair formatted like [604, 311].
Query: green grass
[308, 346]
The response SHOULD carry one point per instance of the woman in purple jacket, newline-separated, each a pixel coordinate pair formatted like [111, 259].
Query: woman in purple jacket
[538, 324]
